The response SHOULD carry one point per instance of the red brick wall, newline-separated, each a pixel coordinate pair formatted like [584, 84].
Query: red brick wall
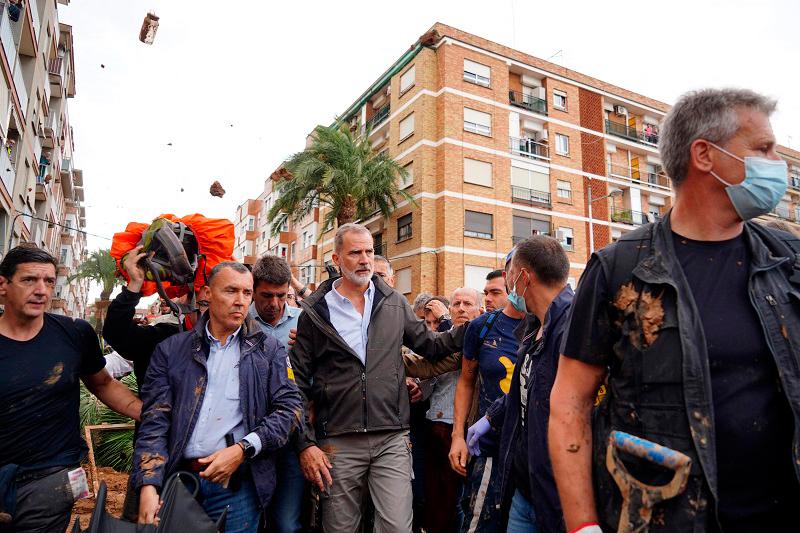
[593, 161]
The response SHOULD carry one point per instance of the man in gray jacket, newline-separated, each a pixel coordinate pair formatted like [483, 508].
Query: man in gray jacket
[348, 366]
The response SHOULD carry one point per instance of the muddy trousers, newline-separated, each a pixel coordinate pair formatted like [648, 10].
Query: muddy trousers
[383, 459]
[43, 503]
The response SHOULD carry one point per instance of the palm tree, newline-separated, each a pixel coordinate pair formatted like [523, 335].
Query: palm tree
[101, 268]
[341, 171]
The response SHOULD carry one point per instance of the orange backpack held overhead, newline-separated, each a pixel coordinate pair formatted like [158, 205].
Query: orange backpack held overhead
[183, 251]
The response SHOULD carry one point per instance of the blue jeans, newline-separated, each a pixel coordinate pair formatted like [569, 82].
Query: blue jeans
[284, 510]
[243, 504]
[521, 518]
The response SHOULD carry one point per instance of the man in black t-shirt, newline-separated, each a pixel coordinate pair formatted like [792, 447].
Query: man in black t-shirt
[695, 322]
[42, 357]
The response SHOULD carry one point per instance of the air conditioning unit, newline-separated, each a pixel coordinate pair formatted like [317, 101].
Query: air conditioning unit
[543, 135]
[620, 110]
[560, 236]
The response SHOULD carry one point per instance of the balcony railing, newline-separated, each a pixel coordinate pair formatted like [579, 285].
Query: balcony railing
[379, 116]
[528, 101]
[19, 85]
[529, 148]
[530, 196]
[650, 178]
[626, 132]
[628, 216]
[7, 37]
[34, 18]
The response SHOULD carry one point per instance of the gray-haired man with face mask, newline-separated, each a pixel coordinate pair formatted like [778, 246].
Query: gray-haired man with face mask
[695, 321]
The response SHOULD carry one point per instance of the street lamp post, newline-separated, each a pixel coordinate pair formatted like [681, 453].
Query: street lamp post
[612, 193]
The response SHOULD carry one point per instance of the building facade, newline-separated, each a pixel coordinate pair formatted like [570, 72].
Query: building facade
[41, 196]
[500, 145]
[297, 243]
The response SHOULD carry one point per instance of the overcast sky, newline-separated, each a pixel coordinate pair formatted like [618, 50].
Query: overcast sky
[236, 86]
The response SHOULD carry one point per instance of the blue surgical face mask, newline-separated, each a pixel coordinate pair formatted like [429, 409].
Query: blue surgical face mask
[764, 184]
[518, 300]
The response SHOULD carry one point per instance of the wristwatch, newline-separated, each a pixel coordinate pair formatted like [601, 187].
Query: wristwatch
[445, 316]
[248, 449]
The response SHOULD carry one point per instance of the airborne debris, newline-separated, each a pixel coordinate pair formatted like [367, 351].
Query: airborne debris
[149, 27]
[217, 190]
[102, 65]
[169, 144]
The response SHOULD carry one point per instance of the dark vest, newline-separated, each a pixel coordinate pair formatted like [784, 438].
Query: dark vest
[659, 384]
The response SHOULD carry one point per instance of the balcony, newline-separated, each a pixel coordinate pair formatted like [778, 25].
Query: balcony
[19, 86]
[529, 148]
[628, 216]
[525, 196]
[7, 171]
[626, 132]
[638, 176]
[528, 101]
[7, 37]
[377, 119]
[56, 73]
[794, 182]
[50, 129]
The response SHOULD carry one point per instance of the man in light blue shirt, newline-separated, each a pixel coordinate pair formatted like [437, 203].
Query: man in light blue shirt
[271, 279]
[221, 412]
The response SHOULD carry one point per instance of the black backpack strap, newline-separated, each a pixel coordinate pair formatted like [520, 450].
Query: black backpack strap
[487, 327]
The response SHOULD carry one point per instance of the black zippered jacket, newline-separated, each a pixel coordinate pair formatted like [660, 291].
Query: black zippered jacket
[345, 395]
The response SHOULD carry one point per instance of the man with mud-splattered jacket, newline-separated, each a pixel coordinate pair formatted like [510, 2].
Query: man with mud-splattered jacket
[218, 401]
[695, 319]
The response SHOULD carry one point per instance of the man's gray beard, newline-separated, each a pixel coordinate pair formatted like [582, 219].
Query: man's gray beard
[355, 278]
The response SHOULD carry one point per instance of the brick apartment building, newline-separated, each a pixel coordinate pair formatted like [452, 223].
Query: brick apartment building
[39, 178]
[499, 145]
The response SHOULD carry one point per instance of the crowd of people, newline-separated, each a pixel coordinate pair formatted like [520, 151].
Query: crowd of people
[497, 408]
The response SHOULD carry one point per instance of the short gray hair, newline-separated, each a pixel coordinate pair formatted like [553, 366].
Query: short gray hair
[421, 301]
[338, 239]
[233, 265]
[381, 259]
[708, 114]
[478, 295]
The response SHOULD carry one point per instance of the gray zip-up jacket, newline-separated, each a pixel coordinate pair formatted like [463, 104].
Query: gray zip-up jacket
[343, 394]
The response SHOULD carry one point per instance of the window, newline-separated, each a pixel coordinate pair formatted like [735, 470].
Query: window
[407, 79]
[615, 235]
[308, 238]
[408, 179]
[530, 179]
[560, 100]
[477, 73]
[562, 144]
[404, 227]
[524, 227]
[285, 226]
[305, 274]
[477, 122]
[291, 251]
[475, 276]
[797, 213]
[566, 238]
[564, 189]
[478, 225]
[251, 223]
[407, 127]
[402, 280]
[282, 251]
[63, 257]
[477, 172]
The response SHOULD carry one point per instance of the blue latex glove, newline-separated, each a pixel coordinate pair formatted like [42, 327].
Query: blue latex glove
[474, 434]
